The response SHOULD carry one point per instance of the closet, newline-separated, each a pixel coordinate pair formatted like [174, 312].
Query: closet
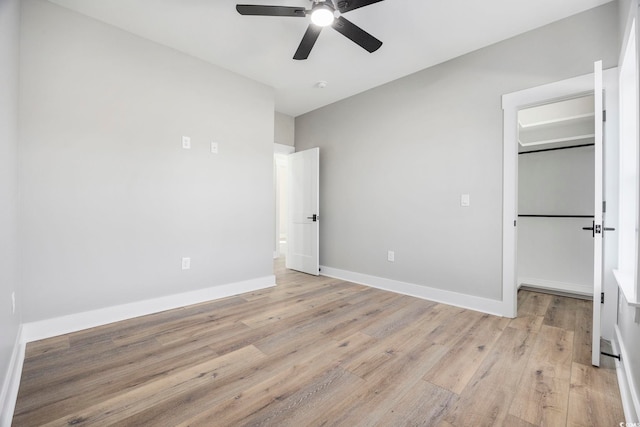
[555, 196]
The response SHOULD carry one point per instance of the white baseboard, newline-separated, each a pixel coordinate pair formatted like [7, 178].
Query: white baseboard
[553, 285]
[628, 388]
[484, 305]
[9, 392]
[48, 328]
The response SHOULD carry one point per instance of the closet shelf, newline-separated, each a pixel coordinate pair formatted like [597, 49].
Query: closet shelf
[586, 136]
[557, 123]
[555, 120]
[553, 216]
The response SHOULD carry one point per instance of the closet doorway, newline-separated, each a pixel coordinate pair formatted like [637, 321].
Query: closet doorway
[539, 134]
[555, 196]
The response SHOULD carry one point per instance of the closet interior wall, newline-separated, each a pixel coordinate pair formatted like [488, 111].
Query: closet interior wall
[555, 203]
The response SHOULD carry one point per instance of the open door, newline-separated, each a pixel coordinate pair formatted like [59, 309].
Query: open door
[598, 220]
[303, 218]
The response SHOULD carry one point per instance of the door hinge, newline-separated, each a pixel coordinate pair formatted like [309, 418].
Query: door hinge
[604, 206]
[514, 222]
[604, 115]
[602, 298]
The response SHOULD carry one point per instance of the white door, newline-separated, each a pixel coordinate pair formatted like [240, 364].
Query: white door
[303, 218]
[598, 223]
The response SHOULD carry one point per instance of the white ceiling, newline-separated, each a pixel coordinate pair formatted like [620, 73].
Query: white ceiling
[416, 34]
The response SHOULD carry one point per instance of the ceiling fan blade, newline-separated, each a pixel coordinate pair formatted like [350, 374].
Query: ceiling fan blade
[356, 34]
[308, 40]
[347, 5]
[254, 9]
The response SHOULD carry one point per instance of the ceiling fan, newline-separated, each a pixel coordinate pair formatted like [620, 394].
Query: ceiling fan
[323, 13]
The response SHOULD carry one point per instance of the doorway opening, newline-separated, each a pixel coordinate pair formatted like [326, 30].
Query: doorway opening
[281, 192]
[605, 188]
[555, 196]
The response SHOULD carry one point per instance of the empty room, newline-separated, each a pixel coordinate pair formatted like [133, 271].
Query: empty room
[319, 212]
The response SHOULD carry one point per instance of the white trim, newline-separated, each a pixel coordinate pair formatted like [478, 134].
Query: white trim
[11, 384]
[484, 305]
[624, 281]
[630, 14]
[554, 285]
[48, 328]
[283, 149]
[628, 262]
[628, 388]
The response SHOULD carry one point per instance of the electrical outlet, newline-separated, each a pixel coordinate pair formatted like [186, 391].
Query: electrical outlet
[13, 303]
[186, 263]
[186, 142]
[391, 256]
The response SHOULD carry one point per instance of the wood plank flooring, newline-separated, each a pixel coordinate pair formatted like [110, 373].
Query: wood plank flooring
[316, 351]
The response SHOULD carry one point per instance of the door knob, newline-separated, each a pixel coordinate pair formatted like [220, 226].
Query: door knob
[595, 229]
[593, 234]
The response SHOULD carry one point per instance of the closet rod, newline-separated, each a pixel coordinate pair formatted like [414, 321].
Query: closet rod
[554, 216]
[554, 149]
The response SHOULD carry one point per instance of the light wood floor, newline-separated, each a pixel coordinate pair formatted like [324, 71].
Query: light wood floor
[318, 351]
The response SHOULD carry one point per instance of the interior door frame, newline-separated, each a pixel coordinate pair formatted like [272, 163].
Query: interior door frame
[278, 149]
[511, 103]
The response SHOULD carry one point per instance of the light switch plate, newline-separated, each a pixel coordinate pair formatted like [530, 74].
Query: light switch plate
[214, 147]
[465, 200]
[186, 263]
[391, 256]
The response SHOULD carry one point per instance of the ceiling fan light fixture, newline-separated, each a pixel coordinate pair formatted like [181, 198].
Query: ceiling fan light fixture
[322, 16]
[323, 13]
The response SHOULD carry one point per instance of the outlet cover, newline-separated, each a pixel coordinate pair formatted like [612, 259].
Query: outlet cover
[391, 256]
[186, 142]
[186, 263]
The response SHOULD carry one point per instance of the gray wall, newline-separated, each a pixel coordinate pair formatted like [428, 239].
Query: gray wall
[9, 42]
[395, 159]
[556, 250]
[284, 129]
[110, 202]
